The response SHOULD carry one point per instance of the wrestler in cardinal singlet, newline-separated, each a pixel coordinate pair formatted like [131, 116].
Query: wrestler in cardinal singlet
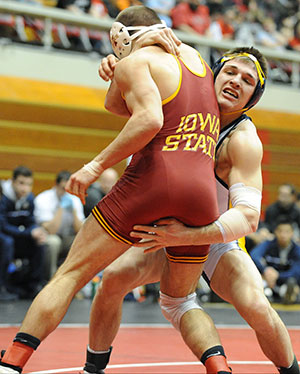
[173, 176]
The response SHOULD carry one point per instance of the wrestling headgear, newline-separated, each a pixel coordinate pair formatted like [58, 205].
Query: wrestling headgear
[121, 40]
[260, 87]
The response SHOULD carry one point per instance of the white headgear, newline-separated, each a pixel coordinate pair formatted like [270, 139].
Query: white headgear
[121, 39]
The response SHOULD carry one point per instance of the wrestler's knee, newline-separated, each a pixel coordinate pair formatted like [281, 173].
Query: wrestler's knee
[119, 280]
[255, 307]
[173, 308]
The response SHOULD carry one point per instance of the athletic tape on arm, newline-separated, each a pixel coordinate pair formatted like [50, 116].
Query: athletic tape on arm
[233, 224]
[93, 168]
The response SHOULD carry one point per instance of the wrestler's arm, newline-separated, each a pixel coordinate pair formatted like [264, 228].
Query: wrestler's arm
[245, 153]
[114, 101]
[143, 100]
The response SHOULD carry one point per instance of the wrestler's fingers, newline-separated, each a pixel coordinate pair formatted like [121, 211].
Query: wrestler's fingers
[82, 194]
[70, 185]
[143, 235]
[112, 60]
[143, 228]
[172, 35]
[102, 71]
[167, 43]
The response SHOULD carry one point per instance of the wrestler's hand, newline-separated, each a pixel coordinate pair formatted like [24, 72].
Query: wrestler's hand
[107, 67]
[166, 232]
[164, 38]
[79, 182]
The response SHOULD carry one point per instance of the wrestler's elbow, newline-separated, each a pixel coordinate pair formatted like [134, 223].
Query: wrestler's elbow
[252, 216]
[152, 123]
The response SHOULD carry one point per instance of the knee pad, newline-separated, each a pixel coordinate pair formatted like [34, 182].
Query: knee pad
[173, 308]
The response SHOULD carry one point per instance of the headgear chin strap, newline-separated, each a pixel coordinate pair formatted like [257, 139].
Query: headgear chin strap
[260, 87]
[121, 40]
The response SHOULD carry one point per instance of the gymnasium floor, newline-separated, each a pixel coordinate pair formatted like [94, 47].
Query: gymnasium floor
[146, 343]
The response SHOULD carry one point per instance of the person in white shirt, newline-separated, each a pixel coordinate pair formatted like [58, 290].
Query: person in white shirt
[61, 214]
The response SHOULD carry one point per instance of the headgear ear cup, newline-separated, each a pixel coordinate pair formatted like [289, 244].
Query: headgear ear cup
[260, 87]
[121, 40]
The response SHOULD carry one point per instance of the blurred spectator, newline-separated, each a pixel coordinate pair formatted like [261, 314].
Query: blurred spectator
[278, 261]
[191, 16]
[99, 189]
[61, 215]
[284, 207]
[123, 4]
[294, 42]
[6, 257]
[247, 28]
[80, 37]
[162, 8]
[268, 36]
[18, 223]
[260, 235]
[222, 25]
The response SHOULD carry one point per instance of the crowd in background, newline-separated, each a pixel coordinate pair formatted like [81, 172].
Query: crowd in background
[270, 23]
[36, 233]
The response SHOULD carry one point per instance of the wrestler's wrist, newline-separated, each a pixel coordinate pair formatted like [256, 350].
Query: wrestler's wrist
[94, 168]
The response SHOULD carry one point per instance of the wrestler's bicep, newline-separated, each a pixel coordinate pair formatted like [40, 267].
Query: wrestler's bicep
[245, 153]
[137, 86]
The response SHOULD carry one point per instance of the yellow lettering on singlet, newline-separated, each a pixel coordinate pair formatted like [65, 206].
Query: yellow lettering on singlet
[216, 130]
[211, 146]
[201, 143]
[208, 118]
[189, 138]
[172, 141]
[182, 121]
[187, 123]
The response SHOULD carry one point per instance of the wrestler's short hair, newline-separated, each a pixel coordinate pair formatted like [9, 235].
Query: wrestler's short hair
[254, 52]
[138, 15]
[251, 54]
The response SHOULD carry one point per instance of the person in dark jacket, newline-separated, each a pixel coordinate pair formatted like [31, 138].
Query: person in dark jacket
[278, 261]
[18, 223]
[285, 207]
[6, 256]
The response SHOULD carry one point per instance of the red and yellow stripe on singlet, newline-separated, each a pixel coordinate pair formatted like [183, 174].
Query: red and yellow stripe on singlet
[101, 220]
[187, 259]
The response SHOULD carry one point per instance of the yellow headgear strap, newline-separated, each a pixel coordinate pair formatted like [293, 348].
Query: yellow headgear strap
[260, 73]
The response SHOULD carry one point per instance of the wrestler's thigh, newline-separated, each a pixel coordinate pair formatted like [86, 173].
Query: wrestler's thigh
[179, 280]
[235, 276]
[136, 268]
[92, 250]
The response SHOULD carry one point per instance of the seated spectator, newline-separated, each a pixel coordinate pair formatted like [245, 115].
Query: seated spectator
[61, 215]
[81, 38]
[191, 16]
[6, 257]
[294, 43]
[18, 224]
[285, 207]
[278, 261]
[162, 8]
[222, 24]
[268, 36]
[99, 189]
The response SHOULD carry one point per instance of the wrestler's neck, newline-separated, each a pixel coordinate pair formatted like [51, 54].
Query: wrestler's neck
[226, 118]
